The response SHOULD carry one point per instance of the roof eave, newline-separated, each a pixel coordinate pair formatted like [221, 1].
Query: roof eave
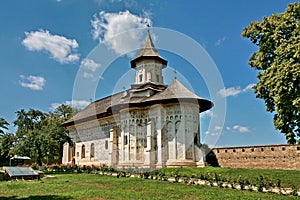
[133, 62]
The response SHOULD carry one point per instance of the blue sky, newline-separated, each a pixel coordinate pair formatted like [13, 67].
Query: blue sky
[45, 44]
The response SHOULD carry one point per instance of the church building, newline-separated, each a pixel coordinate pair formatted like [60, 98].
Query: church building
[150, 125]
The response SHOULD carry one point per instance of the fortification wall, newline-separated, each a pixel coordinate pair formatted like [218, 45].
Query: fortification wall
[285, 157]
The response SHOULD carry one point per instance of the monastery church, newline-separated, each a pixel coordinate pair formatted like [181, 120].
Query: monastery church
[150, 125]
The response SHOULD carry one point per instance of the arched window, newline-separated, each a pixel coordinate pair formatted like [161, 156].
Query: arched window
[92, 150]
[177, 127]
[141, 78]
[83, 151]
[169, 133]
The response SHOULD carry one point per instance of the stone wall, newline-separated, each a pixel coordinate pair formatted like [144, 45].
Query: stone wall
[262, 157]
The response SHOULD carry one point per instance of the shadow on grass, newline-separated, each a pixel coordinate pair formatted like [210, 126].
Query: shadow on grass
[51, 197]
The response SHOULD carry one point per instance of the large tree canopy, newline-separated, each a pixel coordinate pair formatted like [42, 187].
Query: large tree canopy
[278, 63]
[41, 134]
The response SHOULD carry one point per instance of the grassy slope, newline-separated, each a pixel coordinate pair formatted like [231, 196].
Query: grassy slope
[286, 177]
[87, 186]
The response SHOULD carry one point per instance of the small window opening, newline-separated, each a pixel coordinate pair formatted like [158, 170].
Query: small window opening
[106, 144]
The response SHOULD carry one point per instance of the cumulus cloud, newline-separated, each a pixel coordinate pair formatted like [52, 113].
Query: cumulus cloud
[89, 64]
[241, 129]
[106, 27]
[61, 48]
[234, 91]
[217, 130]
[207, 114]
[32, 82]
[74, 103]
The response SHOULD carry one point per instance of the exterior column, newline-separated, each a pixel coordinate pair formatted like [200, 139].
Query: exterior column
[127, 146]
[134, 145]
[65, 157]
[148, 157]
[122, 153]
[172, 146]
[159, 142]
[110, 147]
[159, 149]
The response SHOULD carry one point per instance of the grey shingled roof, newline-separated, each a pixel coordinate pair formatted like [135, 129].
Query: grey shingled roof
[148, 51]
[175, 92]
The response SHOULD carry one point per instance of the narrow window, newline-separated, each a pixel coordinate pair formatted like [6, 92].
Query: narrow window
[83, 151]
[298, 148]
[262, 149]
[233, 150]
[106, 144]
[141, 77]
[125, 140]
[157, 78]
[243, 150]
[92, 150]
[283, 148]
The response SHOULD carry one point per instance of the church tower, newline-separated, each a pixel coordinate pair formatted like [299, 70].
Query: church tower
[148, 65]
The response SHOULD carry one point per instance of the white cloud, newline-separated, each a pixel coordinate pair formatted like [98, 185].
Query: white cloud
[248, 87]
[60, 47]
[88, 75]
[207, 114]
[32, 82]
[220, 41]
[89, 64]
[241, 129]
[234, 91]
[74, 103]
[215, 132]
[107, 26]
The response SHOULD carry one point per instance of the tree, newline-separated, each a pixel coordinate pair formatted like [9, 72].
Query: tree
[278, 63]
[3, 125]
[31, 138]
[7, 142]
[42, 134]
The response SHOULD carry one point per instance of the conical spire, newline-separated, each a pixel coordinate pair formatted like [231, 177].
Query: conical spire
[148, 51]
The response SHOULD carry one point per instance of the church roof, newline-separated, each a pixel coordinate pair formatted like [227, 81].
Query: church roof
[148, 51]
[174, 93]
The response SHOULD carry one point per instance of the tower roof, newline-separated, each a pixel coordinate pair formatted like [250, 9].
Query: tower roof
[148, 51]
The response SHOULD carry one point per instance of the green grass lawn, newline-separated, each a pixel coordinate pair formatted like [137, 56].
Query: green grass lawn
[286, 177]
[89, 186]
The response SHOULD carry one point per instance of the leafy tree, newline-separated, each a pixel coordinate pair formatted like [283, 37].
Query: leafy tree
[31, 139]
[7, 142]
[42, 134]
[3, 125]
[278, 63]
